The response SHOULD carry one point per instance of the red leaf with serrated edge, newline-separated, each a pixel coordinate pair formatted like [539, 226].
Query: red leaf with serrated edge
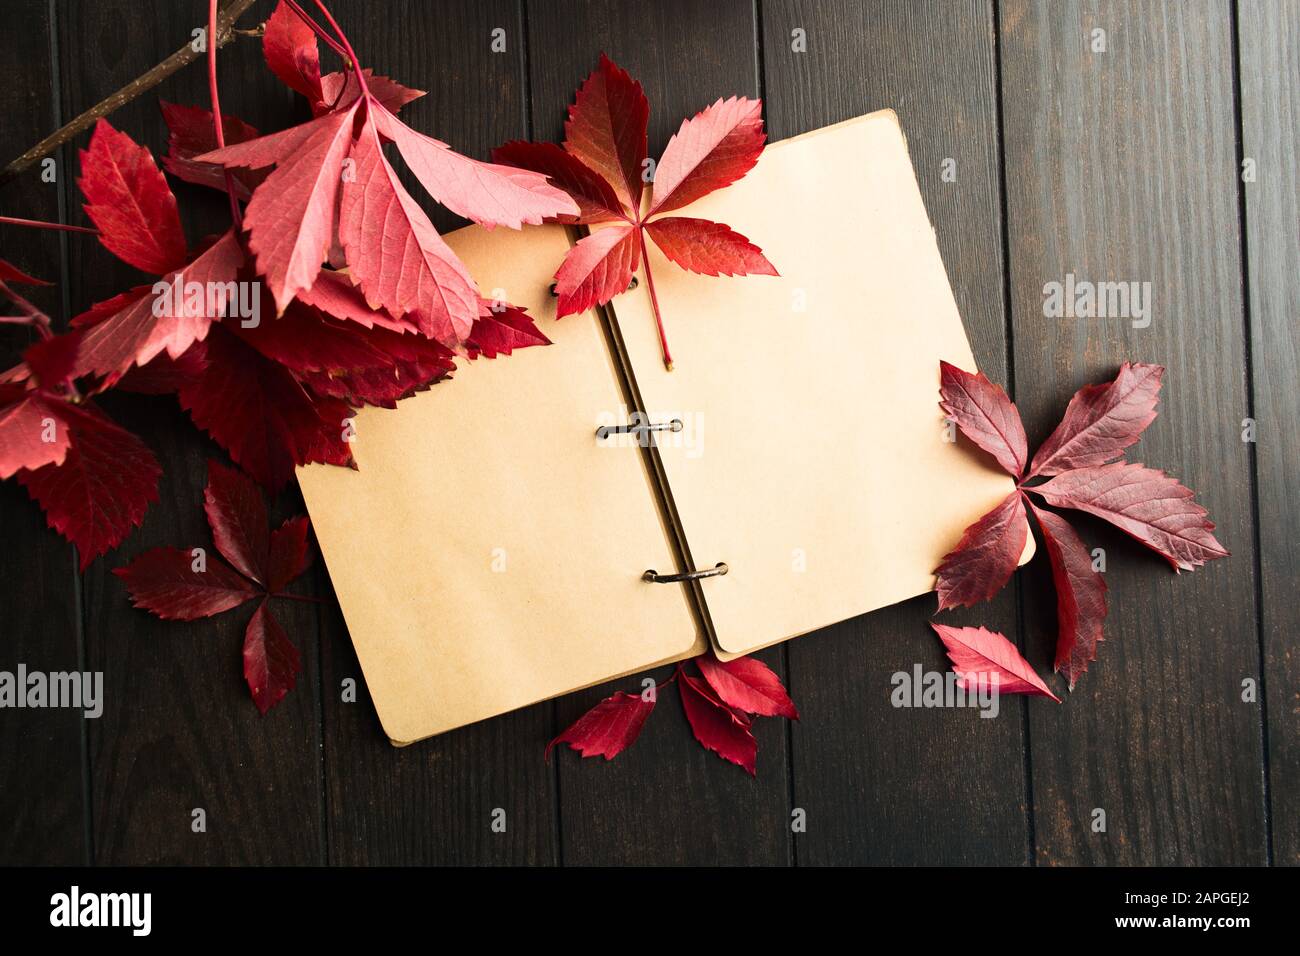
[985, 415]
[11, 273]
[716, 726]
[128, 199]
[412, 364]
[340, 90]
[303, 340]
[1080, 595]
[748, 684]
[32, 431]
[192, 134]
[500, 330]
[606, 130]
[485, 192]
[289, 557]
[1145, 504]
[990, 658]
[711, 150]
[164, 582]
[1101, 421]
[709, 248]
[51, 361]
[595, 199]
[237, 515]
[102, 489]
[271, 662]
[598, 268]
[985, 557]
[289, 46]
[335, 295]
[149, 322]
[261, 415]
[165, 375]
[607, 729]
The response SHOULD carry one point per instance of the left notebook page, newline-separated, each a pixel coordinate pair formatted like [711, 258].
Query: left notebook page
[487, 552]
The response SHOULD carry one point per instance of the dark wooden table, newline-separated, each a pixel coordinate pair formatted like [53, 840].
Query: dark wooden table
[1117, 165]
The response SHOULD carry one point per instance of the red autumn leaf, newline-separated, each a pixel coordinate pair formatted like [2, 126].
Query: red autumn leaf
[985, 415]
[289, 557]
[1080, 595]
[128, 199]
[606, 130]
[598, 268]
[11, 273]
[133, 328]
[500, 330]
[1145, 504]
[978, 654]
[709, 248]
[32, 431]
[340, 90]
[335, 295]
[712, 150]
[165, 582]
[102, 488]
[985, 558]
[271, 662]
[595, 198]
[261, 415]
[290, 49]
[607, 729]
[1101, 421]
[191, 134]
[237, 515]
[50, 361]
[748, 684]
[165, 375]
[716, 726]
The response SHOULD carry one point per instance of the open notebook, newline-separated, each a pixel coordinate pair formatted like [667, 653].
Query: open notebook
[490, 550]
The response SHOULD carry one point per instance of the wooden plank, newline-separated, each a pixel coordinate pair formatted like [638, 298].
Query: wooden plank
[1269, 64]
[434, 802]
[1121, 166]
[880, 784]
[666, 800]
[179, 732]
[42, 793]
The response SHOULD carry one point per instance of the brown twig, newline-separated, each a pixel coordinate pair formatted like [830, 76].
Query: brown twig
[146, 81]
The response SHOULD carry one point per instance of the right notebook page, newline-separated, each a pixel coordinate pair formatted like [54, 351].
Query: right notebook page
[814, 460]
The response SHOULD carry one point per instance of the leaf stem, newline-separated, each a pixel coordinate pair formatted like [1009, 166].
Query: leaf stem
[316, 28]
[654, 303]
[347, 45]
[38, 224]
[216, 112]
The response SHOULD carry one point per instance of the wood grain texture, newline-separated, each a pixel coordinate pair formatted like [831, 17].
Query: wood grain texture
[1269, 65]
[666, 800]
[43, 813]
[434, 802]
[1120, 165]
[178, 731]
[880, 784]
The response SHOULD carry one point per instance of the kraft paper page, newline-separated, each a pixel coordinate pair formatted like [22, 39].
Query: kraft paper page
[813, 460]
[488, 552]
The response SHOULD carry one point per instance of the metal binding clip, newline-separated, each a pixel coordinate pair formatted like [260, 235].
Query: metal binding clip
[641, 430]
[656, 578]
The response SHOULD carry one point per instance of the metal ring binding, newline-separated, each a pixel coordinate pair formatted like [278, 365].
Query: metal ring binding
[656, 578]
[604, 431]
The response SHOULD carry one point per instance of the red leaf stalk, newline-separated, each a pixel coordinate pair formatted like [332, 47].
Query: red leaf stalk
[216, 110]
[316, 28]
[38, 224]
[654, 304]
[347, 46]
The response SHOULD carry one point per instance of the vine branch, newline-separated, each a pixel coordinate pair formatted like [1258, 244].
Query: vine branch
[141, 84]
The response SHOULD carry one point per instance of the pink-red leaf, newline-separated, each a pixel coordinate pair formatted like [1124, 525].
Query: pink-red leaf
[985, 415]
[606, 130]
[335, 295]
[32, 431]
[748, 684]
[1145, 504]
[271, 662]
[607, 729]
[164, 582]
[1080, 596]
[709, 248]
[128, 199]
[11, 273]
[485, 192]
[103, 487]
[52, 360]
[987, 657]
[716, 726]
[985, 557]
[1101, 421]
[598, 268]
[289, 46]
[711, 150]
[500, 330]
[289, 557]
[340, 90]
[165, 375]
[596, 200]
[237, 515]
[192, 134]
